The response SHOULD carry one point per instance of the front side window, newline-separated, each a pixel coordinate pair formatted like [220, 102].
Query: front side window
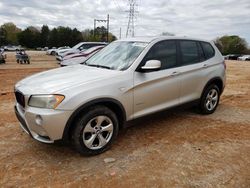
[118, 55]
[165, 52]
[189, 52]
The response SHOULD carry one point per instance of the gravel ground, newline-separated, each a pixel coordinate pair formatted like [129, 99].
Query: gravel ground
[168, 149]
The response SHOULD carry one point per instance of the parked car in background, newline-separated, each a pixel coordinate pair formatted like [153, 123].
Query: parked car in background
[2, 56]
[248, 59]
[243, 58]
[45, 48]
[80, 57]
[77, 48]
[232, 56]
[42, 49]
[12, 48]
[87, 104]
[54, 50]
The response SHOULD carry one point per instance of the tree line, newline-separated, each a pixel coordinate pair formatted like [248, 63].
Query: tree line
[33, 37]
[232, 45]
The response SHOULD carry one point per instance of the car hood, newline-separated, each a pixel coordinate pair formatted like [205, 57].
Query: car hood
[56, 80]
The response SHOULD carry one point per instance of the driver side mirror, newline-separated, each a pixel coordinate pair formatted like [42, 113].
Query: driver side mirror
[151, 65]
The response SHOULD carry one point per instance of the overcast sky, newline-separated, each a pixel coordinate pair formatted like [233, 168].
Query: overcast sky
[198, 18]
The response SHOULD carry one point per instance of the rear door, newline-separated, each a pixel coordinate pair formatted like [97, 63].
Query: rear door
[156, 90]
[194, 68]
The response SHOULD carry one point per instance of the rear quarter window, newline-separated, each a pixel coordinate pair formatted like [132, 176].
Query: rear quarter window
[208, 50]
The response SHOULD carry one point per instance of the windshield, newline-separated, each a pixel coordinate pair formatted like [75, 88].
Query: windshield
[77, 46]
[117, 55]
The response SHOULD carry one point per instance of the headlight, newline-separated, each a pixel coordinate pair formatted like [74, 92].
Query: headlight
[45, 101]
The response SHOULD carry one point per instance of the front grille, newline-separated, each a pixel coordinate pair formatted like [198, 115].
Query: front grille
[20, 98]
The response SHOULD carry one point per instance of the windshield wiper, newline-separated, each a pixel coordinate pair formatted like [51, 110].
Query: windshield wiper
[98, 66]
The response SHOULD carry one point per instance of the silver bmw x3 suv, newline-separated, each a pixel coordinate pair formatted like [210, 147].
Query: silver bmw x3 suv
[87, 104]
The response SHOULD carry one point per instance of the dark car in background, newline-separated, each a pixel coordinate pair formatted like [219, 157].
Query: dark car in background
[232, 56]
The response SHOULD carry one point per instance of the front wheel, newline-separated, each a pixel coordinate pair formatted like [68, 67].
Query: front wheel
[95, 131]
[210, 99]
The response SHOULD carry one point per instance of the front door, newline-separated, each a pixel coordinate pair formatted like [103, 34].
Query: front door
[157, 90]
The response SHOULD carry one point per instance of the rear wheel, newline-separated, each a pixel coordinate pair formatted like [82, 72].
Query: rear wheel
[210, 99]
[95, 131]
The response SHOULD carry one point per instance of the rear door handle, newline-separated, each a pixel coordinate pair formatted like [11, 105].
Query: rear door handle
[205, 65]
[175, 73]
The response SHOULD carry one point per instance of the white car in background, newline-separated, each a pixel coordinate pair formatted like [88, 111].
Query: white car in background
[243, 58]
[11, 48]
[80, 57]
[54, 50]
[77, 48]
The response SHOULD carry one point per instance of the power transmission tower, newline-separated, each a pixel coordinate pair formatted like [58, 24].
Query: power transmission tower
[131, 18]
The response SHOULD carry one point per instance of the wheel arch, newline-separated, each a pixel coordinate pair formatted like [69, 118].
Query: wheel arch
[113, 104]
[218, 81]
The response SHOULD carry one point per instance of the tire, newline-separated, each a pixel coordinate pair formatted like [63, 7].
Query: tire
[53, 53]
[209, 99]
[89, 137]
[17, 61]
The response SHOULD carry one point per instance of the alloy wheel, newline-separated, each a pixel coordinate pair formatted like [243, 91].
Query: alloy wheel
[98, 132]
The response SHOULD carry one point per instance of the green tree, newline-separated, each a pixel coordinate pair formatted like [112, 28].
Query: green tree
[11, 32]
[44, 35]
[30, 37]
[100, 35]
[3, 37]
[76, 37]
[53, 38]
[231, 45]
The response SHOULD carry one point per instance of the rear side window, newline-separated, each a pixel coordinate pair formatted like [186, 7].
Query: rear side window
[164, 51]
[208, 50]
[189, 52]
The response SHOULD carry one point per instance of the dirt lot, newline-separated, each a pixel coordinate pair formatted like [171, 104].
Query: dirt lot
[170, 149]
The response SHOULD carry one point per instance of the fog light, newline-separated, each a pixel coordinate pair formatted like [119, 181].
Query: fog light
[39, 120]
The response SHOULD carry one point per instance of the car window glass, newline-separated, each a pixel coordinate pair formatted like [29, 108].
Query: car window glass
[189, 52]
[208, 49]
[164, 51]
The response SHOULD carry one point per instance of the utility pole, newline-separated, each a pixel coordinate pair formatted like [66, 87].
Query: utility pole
[108, 28]
[94, 27]
[120, 34]
[131, 18]
[107, 21]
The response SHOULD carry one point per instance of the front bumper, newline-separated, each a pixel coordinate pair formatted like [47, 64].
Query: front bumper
[44, 125]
